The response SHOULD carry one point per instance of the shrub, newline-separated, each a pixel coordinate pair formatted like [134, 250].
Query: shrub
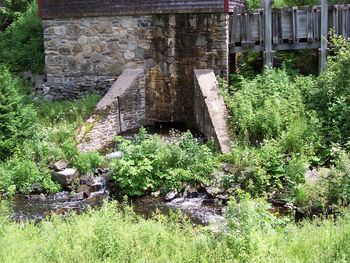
[18, 175]
[74, 112]
[331, 97]
[10, 10]
[266, 107]
[149, 163]
[86, 162]
[17, 120]
[21, 44]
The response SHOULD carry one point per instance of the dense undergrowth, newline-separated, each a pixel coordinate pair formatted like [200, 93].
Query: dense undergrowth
[287, 127]
[150, 163]
[110, 235]
[291, 135]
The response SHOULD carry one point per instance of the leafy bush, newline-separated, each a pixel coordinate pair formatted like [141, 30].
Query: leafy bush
[17, 120]
[21, 44]
[86, 162]
[52, 139]
[19, 175]
[149, 163]
[271, 107]
[330, 98]
[75, 111]
[10, 11]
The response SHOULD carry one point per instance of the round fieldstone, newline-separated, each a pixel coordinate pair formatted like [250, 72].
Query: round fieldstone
[140, 54]
[77, 49]
[129, 55]
[87, 49]
[60, 30]
[115, 69]
[64, 51]
[126, 22]
[85, 65]
[54, 43]
[151, 63]
[132, 45]
[75, 29]
[82, 40]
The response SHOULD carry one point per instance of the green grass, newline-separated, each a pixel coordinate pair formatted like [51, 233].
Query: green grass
[109, 235]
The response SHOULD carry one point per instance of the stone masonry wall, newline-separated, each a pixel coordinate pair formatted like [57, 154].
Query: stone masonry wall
[121, 109]
[210, 110]
[89, 53]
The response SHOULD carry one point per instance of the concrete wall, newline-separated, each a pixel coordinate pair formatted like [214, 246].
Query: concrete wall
[121, 109]
[210, 110]
[89, 53]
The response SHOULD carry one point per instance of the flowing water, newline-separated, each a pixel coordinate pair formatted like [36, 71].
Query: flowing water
[200, 210]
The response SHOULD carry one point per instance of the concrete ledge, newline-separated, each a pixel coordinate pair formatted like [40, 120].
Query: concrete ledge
[120, 110]
[210, 110]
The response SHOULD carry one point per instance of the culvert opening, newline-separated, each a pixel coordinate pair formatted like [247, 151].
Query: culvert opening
[165, 130]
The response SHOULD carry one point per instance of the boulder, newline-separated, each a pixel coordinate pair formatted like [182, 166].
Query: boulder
[191, 192]
[36, 189]
[65, 177]
[213, 190]
[155, 194]
[86, 180]
[114, 155]
[40, 197]
[223, 198]
[79, 196]
[97, 184]
[84, 189]
[170, 196]
[60, 165]
[27, 75]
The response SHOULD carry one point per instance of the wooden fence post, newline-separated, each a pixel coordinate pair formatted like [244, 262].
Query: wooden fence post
[324, 34]
[268, 33]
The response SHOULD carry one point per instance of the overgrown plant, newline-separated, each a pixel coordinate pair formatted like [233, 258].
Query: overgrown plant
[21, 44]
[17, 120]
[149, 163]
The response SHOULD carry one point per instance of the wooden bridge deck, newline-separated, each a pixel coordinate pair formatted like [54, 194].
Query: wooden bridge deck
[291, 28]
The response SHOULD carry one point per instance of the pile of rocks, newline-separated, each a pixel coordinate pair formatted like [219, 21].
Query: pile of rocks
[89, 187]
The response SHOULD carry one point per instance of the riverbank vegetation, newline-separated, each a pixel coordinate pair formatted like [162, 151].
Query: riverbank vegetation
[291, 136]
[112, 235]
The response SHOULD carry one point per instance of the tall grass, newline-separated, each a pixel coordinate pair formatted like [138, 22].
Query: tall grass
[109, 235]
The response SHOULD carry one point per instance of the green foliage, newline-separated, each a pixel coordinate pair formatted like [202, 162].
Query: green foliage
[76, 111]
[86, 162]
[245, 218]
[150, 163]
[331, 187]
[10, 10]
[21, 44]
[51, 138]
[110, 235]
[330, 98]
[271, 107]
[17, 120]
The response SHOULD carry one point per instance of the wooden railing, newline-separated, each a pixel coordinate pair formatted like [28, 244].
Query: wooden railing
[270, 29]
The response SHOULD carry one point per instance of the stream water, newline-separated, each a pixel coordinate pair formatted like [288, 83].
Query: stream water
[36, 207]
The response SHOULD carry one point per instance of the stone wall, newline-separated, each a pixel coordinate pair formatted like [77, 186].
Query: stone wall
[89, 53]
[121, 109]
[210, 110]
